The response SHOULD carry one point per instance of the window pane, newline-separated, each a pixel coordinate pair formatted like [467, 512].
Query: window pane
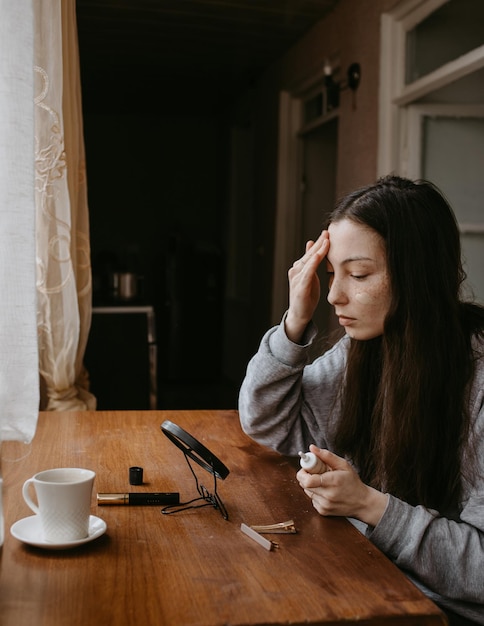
[473, 261]
[453, 159]
[448, 33]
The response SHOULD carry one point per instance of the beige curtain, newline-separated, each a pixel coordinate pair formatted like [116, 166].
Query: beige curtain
[62, 229]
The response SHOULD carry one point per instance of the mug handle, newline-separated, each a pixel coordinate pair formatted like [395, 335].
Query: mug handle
[26, 495]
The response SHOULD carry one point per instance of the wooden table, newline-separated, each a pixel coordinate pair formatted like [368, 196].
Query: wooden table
[193, 567]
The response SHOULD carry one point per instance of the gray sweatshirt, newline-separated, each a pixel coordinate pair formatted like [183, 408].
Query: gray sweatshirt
[287, 403]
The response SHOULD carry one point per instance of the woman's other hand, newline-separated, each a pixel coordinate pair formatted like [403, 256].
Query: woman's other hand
[340, 491]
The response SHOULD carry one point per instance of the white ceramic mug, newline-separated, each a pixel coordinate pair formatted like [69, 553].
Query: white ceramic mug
[64, 502]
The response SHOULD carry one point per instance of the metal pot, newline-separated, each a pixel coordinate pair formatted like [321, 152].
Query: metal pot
[127, 285]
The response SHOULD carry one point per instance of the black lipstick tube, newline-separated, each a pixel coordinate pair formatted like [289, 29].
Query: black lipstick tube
[139, 498]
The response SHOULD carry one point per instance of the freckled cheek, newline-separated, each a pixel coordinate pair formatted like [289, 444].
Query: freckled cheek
[376, 297]
[363, 297]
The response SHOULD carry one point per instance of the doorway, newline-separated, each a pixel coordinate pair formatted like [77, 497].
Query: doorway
[308, 140]
[318, 167]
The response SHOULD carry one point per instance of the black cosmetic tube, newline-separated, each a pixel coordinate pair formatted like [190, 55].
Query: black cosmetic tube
[139, 498]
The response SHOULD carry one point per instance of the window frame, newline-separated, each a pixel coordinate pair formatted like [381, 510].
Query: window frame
[395, 95]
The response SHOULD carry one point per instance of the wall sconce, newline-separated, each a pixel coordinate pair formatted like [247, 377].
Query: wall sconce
[333, 88]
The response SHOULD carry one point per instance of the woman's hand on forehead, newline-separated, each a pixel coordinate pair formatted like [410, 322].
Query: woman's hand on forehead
[304, 287]
[317, 250]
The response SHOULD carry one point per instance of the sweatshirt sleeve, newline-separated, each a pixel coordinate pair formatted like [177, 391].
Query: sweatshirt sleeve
[447, 556]
[445, 553]
[284, 400]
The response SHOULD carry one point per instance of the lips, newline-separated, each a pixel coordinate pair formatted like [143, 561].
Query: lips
[345, 321]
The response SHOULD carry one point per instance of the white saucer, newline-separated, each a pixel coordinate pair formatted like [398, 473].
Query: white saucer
[29, 531]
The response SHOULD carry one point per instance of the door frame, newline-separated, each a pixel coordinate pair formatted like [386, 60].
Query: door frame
[287, 246]
[288, 200]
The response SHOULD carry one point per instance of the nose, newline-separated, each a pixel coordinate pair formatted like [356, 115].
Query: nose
[336, 293]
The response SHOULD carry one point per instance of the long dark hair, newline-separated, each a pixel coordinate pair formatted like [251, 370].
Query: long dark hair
[405, 399]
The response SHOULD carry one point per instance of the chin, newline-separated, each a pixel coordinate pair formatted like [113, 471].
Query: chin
[362, 335]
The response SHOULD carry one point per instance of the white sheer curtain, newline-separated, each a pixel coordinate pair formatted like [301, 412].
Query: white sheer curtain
[63, 252]
[19, 373]
[43, 216]
[45, 272]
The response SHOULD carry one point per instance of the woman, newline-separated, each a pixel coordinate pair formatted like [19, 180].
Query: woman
[396, 408]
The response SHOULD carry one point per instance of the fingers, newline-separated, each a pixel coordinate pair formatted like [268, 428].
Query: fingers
[304, 287]
[315, 251]
[333, 461]
[308, 481]
[318, 248]
[309, 493]
[327, 479]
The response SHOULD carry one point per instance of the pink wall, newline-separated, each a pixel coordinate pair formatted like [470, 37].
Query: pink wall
[352, 33]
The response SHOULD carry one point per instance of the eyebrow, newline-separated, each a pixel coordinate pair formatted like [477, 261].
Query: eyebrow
[352, 259]
[357, 258]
